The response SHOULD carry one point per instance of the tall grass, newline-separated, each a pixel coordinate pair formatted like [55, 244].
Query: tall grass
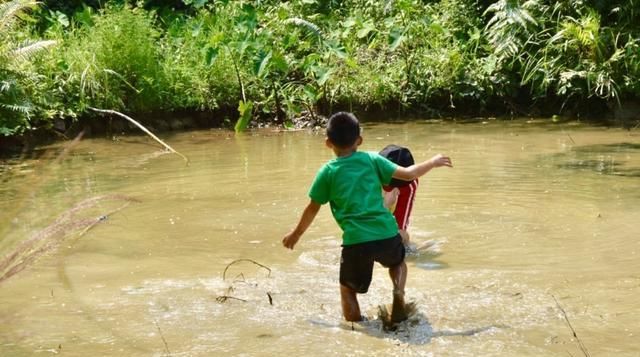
[19, 81]
[281, 59]
[193, 82]
[115, 63]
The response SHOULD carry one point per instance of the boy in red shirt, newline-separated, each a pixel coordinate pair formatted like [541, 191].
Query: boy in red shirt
[399, 194]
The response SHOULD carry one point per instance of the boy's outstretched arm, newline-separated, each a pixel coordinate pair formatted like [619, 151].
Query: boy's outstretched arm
[414, 171]
[290, 240]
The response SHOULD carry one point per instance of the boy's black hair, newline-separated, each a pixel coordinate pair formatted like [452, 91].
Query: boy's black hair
[400, 156]
[343, 129]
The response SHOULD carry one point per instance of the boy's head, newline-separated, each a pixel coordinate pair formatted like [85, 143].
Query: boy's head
[343, 130]
[400, 156]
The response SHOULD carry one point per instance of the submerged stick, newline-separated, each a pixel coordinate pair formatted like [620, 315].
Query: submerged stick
[103, 218]
[224, 273]
[223, 298]
[143, 129]
[583, 348]
[166, 346]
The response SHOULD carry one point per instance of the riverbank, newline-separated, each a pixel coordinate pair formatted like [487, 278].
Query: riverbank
[270, 62]
[162, 123]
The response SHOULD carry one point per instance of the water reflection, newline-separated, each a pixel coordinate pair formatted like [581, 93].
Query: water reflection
[607, 159]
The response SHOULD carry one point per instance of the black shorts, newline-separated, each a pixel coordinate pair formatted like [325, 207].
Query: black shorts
[356, 263]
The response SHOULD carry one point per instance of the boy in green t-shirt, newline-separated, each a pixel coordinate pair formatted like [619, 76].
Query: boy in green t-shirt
[352, 184]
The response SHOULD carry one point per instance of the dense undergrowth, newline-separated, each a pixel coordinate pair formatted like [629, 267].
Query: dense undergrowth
[273, 60]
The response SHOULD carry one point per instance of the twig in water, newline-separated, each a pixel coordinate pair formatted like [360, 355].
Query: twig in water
[270, 299]
[103, 218]
[239, 278]
[573, 142]
[166, 346]
[583, 348]
[223, 298]
[224, 273]
[142, 128]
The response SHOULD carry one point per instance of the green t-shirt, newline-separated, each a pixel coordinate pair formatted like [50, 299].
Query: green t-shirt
[353, 187]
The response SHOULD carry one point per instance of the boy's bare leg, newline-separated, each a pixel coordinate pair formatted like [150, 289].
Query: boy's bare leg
[350, 306]
[398, 276]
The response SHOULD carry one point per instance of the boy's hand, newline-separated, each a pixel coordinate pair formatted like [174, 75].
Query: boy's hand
[441, 160]
[390, 198]
[308, 215]
[290, 240]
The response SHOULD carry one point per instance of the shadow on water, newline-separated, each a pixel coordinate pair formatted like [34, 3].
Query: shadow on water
[599, 158]
[618, 147]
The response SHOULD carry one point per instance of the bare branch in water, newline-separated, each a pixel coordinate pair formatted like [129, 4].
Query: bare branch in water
[142, 128]
[166, 346]
[103, 218]
[224, 273]
[583, 348]
[239, 278]
[223, 298]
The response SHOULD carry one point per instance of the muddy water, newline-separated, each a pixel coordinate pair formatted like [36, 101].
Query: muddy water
[535, 227]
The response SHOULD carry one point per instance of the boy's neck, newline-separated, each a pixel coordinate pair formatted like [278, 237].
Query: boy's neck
[344, 152]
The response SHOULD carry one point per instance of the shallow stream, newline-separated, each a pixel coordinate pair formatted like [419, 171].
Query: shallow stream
[129, 252]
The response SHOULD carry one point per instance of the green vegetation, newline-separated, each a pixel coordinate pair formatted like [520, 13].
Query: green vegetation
[20, 85]
[274, 61]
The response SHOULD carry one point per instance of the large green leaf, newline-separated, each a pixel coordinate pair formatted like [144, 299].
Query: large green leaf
[322, 74]
[211, 55]
[245, 109]
[262, 64]
[311, 93]
[396, 37]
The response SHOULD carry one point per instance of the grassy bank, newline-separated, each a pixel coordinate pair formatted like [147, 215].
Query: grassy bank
[273, 61]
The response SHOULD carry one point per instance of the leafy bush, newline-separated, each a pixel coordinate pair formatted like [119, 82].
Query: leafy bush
[19, 81]
[276, 60]
[115, 63]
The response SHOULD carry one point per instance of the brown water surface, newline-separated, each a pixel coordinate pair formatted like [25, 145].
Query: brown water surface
[531, 214]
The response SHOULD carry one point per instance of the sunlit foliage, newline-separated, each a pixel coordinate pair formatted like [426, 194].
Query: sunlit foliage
[274, 61]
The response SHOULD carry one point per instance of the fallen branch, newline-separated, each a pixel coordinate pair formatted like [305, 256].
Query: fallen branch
[142, 128]
[166, 346]
[224, 273]
[223, 298]
[102, 218]
[583, 348]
